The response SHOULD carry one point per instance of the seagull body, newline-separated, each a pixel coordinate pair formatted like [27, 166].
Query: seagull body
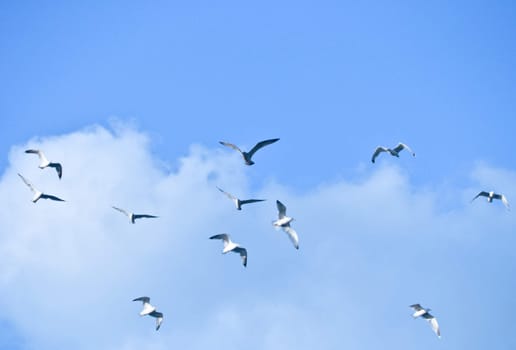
[38, 194]
[133, 216]
[44, 162]
[393, 151]
[150, 310]
[424, 313]
[239, 202]
[248, 155]
[491, 195]
[230, 246]
[284, 222]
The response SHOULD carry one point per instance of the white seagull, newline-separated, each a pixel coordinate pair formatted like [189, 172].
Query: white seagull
[422, 312]
[38, 194]
[239, 202]
[284, 222]
[150, 310]
[491, 195]
[393, 151]
[133, 216]
[44, 162]
[230, 246]
[247, 155]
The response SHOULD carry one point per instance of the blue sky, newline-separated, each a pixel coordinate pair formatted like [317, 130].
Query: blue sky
[133, 98]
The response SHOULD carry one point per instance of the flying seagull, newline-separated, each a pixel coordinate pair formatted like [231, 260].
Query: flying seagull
[44, 162]
[247, 155]
[150, 310]
[133, 216]
[238, 202]
[38, 194]
[230, 246]
[491, 195]
[284, 222]
[393, 151]
[422, 312]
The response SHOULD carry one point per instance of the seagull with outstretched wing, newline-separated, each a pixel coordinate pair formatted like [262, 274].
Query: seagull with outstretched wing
[133, 216]
[393, 151]
[424, 313]
[150, 310]
[44, 162]
[230, 246]
[248, 155]
[239, 202]
[284, 222]
[491, 195]
[38, 194]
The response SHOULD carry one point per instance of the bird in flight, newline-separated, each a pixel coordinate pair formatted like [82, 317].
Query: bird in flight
[239, 202]
[491, 195]
[133, 216]
[393, 151]
[284, 222]
[150, 310]
[44, 162]
[248, 155]
[424, 313]
[38, 194]
[230, 246]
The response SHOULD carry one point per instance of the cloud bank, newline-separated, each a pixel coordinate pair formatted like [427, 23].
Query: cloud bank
[368, 249]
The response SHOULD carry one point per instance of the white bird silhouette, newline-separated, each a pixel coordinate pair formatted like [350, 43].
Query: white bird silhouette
[393, 151]
[247, 155]
[44, 162]
[424, 313]
[239, 202]
[284, 222]
[150, 310]
[133, 216]
[491, 195]
[38, 194]
[230, 246]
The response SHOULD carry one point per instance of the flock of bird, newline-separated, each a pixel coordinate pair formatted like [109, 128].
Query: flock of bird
[283, 221]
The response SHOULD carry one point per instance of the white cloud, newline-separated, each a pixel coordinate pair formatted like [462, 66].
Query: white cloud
[68, 271]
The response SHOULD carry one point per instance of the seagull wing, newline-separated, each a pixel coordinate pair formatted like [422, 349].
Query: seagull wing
[58, 168]
[292, 234]
[230, 196]
[28, 183]
[139, 216]
[483, 193]
[243, 254]
[260, 145]
[377, 151]
[282, 209]
[505, 201]
[247, 201]
[41, 155]
[223, 236]
[159, 318]
[433, 322]
[502, 198]
[416, 307]
[231, 146]
[142, 299]
[121, 210]
[54, 198]
[402, 146]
